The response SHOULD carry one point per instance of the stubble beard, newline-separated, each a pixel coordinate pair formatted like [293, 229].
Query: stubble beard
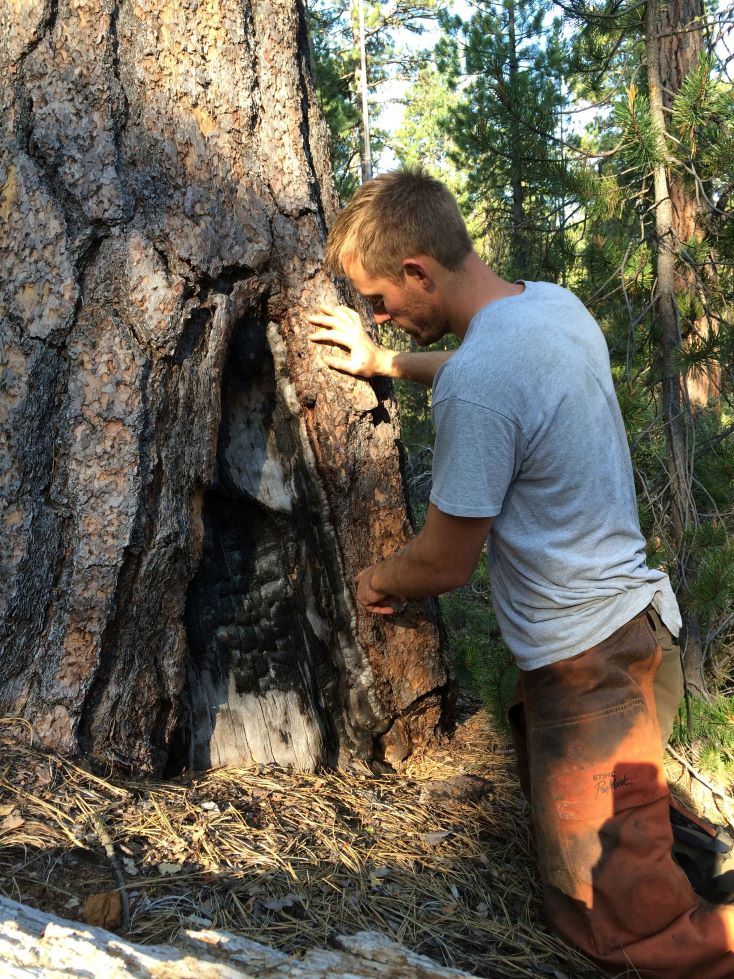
[425, 327]
[427, 331]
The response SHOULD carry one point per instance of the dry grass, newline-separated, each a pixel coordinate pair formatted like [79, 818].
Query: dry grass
[436, 856]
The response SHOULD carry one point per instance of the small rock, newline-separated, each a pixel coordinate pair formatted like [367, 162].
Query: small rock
[103, 910]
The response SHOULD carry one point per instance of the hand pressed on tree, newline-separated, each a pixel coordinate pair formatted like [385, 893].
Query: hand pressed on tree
[342, 327]
[376, 601]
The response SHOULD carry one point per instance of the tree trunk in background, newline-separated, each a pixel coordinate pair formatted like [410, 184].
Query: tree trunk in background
[361, 89]
[683, 509]
[680, 45]
[187, 493]
[519, 224]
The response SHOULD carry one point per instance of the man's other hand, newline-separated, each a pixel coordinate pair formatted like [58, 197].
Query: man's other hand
[376, 601]
[341, 327]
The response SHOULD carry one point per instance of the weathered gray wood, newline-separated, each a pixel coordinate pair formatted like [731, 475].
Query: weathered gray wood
[34, 944]
[187, 492]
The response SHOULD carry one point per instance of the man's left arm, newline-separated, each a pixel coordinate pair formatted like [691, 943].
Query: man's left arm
[439, 558]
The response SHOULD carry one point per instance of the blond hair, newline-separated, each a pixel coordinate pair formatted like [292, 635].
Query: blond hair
[395, 216]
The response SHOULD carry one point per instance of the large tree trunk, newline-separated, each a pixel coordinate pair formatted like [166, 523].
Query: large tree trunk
[683, 509]
[679, 39]
[187, 492]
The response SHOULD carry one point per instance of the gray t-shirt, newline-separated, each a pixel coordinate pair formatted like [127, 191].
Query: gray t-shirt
[528, 430]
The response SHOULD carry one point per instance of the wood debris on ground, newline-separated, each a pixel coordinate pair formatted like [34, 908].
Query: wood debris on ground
[34, 943]
[436, 856]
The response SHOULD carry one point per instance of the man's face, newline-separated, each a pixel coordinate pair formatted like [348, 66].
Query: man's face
[407, 304]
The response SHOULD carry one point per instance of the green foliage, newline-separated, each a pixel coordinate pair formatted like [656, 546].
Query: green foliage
[701, 111]
[482, 661]
[715, 465]
[335, 62]
[710, 592]
[710, 737]
[424, 138]
[333, 71]
[642, 144]
[504, 129]
[490, 111]
[598, 192]
[606, 39]
[702, 353]
[638, 272]
[634, 403]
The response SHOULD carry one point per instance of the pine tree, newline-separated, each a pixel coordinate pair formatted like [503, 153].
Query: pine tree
[333, 72]
[508, 63]
[335, 48]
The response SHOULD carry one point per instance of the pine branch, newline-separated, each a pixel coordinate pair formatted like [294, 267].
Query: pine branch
[711, 443]
[601, 18]
[698, 24]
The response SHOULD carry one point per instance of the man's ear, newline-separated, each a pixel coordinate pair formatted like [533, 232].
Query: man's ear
[418, 271]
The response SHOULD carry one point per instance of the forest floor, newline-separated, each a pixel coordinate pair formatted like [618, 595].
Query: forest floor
[436, 856]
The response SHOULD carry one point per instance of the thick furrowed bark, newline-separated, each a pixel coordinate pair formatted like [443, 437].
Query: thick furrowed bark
[165, 179]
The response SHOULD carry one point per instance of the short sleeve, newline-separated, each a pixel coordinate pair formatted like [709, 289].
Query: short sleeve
[476, 455]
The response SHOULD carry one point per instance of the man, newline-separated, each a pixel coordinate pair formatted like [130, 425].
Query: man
[531, 453]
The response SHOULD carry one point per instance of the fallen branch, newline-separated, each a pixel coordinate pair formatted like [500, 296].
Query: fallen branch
[33, 943]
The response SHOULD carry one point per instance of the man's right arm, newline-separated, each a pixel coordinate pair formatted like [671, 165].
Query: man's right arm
[349, 348]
